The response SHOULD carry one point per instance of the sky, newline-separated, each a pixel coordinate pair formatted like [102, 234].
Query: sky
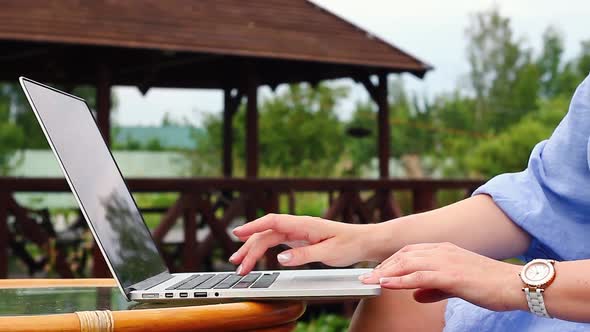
[432, 30]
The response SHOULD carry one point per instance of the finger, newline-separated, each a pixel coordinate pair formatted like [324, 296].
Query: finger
[297, 244]
[239, 255]
[402, 267]
[257, 250]
[418, 279]
[430, 295]
[401, 260]
[408, 249]
[244, 238]
[408, 254]
[302, 255]
[295, 227]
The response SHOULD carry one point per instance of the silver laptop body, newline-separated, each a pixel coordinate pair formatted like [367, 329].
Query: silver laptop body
[124, 239]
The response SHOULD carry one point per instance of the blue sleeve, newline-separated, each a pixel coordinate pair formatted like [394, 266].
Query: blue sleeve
[551, 198]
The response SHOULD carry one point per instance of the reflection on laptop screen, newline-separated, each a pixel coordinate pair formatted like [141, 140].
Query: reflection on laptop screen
[98, 184]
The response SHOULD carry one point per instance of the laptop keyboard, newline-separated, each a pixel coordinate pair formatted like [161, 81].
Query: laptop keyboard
[226, 281]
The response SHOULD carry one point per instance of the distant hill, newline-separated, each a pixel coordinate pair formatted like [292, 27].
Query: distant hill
[168, 137]
[133, 164]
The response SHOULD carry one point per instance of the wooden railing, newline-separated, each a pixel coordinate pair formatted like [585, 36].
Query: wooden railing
[211, 204]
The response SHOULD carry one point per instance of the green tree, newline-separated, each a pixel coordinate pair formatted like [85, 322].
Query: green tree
[550, 62]
[502, 75]
[510, 150]
[11, 136]
[299, 134]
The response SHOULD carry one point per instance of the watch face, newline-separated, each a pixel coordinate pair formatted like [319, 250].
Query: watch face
[537, 272]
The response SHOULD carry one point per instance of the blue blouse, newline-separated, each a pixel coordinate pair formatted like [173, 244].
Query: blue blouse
[551, 201]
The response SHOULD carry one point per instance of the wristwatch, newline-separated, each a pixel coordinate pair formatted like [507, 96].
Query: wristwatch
[537, 275]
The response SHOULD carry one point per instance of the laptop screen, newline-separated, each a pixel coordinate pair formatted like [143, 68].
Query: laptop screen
[98, 184]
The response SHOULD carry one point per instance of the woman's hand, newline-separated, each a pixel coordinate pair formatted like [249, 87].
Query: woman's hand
[312, 239]
[441, 270]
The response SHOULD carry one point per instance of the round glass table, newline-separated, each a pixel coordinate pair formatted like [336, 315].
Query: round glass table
[84, 305]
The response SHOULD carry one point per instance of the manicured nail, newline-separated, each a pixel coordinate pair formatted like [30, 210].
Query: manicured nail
[284, 257]
[233, 256]
[239, 269]
[384, 280]
[365, 276]
[237, 228]
[378, 267]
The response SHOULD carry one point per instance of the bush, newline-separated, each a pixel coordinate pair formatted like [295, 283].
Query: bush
[324, 323]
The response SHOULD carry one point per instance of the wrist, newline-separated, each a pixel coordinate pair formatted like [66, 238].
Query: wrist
[380, 240]
[514, 297]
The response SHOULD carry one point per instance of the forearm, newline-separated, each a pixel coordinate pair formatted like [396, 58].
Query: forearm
[476, 224]
[569, 294]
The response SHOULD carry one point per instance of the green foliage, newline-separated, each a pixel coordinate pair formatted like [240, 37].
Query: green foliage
[502, 75]
[485, 125]
[362, 149]
[11, 136]
[509, 151]
[299, 134]
[324, 323]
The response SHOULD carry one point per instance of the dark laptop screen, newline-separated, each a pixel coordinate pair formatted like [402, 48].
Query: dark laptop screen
[97, 181]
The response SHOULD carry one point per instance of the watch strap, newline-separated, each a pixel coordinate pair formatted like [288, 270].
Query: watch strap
[534, 298]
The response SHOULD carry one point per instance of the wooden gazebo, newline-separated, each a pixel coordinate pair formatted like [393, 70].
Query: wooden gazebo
[232, 45]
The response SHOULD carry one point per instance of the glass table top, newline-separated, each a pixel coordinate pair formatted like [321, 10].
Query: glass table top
[45, 301]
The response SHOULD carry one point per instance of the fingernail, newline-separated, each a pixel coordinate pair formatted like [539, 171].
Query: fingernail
[237, 228]
[284, 257]
[239, 269]
[233, 256]
[365, 276]
[384, 280]
[378, 267]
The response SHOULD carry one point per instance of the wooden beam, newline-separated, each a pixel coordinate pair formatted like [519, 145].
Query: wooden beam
[103, 120]
[169, 219]
[230, 107]
[252, 125]
[383, 129]
[103, 102]
[190, 239]
[378, 93]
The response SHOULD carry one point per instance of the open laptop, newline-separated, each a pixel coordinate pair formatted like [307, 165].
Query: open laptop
[124, 239]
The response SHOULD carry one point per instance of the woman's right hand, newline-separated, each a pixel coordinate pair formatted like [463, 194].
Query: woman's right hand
[312, 239]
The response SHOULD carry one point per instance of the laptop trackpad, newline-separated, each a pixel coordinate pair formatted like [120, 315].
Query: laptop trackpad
[323, 282]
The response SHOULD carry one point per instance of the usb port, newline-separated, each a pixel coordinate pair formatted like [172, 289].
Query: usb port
[150, 295]
[200, 294]
[169, 295]
[183, 294]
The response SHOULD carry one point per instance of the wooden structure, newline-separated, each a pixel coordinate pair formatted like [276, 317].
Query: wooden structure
[214, 44]
[52, 312]
[196, 196]
[217, 44]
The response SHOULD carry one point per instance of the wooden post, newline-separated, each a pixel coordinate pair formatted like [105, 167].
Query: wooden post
[383, 136]
[379, 95]
[103, 110]
[230, 107]
[103, 102]
[252, 126]
[424, 200]
[227, 134]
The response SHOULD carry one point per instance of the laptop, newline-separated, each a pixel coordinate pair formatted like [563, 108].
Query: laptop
[126, 242]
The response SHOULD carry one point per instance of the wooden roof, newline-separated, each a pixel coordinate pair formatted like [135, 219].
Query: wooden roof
[206, 33]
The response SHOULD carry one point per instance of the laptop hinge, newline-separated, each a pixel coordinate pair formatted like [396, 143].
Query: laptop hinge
[149, 282]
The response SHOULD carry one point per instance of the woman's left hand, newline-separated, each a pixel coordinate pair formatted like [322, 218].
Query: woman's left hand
[441, 270]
